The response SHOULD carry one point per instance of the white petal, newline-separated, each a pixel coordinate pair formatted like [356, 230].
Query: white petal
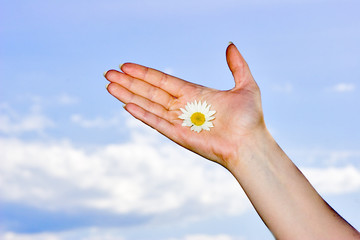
[206, 128]
[212, 113]
[182, 116]
[183, 110]
[209, 124]
[187, 122]
[207, 109]
[203, 106]
[194, 107]
[196, 128]
[197, 106]
[191, 108]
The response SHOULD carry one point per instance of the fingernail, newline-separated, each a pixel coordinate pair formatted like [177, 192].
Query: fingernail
[230, 43]
[107, 85]
[105, 73]
[121, 65]
[124, 106]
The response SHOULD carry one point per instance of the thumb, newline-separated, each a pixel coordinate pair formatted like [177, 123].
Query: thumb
[238, 66]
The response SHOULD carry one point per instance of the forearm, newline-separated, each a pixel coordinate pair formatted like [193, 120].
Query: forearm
[282, 196]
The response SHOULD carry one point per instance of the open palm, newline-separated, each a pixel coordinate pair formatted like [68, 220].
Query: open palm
[156, 98]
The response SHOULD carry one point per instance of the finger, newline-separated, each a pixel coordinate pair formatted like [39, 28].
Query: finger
[149, 118]
[238, 66]
[141, 88]
[168, 83]
[125, 96]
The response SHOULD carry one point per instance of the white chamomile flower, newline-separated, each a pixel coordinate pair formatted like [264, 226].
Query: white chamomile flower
[198, 116]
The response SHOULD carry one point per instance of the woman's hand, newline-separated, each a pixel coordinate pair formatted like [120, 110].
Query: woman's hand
[287, 203]
[155, 98]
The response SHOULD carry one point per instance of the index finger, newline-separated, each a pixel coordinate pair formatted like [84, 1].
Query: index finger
[170, 84]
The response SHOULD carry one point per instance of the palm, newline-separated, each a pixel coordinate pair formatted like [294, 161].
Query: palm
[237, 114]
[156, 98]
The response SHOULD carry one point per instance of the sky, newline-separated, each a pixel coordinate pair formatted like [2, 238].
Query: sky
[75, 165]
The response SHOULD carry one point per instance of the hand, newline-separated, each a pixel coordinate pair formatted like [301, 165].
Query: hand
[155, 98]
[284, 199]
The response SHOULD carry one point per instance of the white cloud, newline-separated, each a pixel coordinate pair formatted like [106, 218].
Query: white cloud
[326, 158]
[29, 116]
[119, 119]
[343, 87]
[336, 171]
[77, 234]
[334, 180]
[101, 234]
[12, 122]
[98, 122]
[204, 6]
[66, 99]
[77, 11]
[39, 236]
[207, 237]
[283, 88]
[142, 176]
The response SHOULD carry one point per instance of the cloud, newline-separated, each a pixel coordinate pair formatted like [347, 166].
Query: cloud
[331, 172]
[143, 176]
[207, 237]
[66, 99]
[41, 236]
[78, 234]
[283, 88]
[343, 87]
[334, 180]
[33, 119]
[115, 120]
[78, 12]
[97, 122]
[102, 234]
[11, 122]
[325, 158]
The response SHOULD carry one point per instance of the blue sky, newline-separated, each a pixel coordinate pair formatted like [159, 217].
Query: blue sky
[74, 165]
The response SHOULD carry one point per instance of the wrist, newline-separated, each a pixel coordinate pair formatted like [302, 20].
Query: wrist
[254, 146]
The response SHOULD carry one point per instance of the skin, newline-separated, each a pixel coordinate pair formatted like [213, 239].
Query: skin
[284, 199]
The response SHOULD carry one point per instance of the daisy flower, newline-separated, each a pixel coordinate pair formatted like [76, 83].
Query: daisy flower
[198, 116]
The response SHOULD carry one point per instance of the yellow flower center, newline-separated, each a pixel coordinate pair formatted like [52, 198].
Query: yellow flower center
[198, 118]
